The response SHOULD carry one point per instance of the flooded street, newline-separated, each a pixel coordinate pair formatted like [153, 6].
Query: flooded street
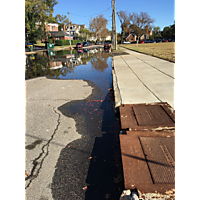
[90, 167]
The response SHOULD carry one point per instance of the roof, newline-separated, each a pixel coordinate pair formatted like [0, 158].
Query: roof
[59, 34]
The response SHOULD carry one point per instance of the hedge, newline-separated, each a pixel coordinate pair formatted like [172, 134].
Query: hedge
[66, 42]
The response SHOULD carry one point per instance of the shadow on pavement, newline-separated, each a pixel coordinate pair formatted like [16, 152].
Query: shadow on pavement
[90, 168]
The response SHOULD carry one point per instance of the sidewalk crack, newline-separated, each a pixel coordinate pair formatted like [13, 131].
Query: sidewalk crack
[37, 162]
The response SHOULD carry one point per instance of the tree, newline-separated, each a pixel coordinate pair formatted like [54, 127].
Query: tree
[172, 29]
[166, 32]
[61, 20]
[85, 33]
[124, 20]
[140, 23]
[156, 32]
[98, 26]
[38, 11]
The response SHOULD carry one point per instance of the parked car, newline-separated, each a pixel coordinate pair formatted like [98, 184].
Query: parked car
[159, 40]
[29, 44]
[165, 40]
[107, 45]
[98, 43]
[141, 42]
[126, 42]
[85, 44]
[89, 44]
[153, 41]
[79, 45]
[147, 41]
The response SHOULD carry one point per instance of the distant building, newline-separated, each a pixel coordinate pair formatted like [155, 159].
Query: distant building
[49, 26]
[60, 35]
[74, 30]
[132, 37]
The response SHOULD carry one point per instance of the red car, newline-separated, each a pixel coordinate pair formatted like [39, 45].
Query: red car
[107, 45]
[79, 45]
[141, 42]
[165, 40]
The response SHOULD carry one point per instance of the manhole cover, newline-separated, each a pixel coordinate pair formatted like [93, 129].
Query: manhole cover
[160, 156]
[147, 116]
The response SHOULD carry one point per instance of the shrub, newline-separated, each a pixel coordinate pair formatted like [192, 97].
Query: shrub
[50, 41]
[66, 42]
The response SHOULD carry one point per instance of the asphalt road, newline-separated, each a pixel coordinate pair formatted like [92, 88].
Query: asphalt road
[72, 142]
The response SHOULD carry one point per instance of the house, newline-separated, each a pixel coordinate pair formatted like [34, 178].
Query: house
[60, 35]
[49, 26]
[132, 37]
[74, 30]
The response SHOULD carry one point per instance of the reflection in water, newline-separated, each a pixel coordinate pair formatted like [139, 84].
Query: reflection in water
[62, 64]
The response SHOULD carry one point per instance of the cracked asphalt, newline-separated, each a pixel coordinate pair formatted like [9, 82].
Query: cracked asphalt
[72, 135]
[47, 130]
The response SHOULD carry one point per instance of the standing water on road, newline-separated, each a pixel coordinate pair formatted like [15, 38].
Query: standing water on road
[88, 168]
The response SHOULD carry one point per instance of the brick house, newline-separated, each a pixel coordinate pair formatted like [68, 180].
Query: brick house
[49, 26]
[132, 37]
[60, 35]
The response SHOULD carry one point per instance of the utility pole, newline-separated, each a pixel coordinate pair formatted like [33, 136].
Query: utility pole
[70, 43]
[113, 36]
[69, 31]
[114, 30]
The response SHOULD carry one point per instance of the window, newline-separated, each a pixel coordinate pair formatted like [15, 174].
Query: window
[52, 28]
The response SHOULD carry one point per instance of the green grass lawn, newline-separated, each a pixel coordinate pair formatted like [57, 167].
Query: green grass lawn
[55, 47]
[165, 50]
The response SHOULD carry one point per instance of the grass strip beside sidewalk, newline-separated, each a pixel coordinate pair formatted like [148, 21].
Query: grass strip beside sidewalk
[165, 50]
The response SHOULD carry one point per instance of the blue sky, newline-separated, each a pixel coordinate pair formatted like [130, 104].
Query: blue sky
[163, 11]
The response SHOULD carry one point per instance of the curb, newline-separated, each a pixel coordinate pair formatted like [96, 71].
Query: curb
[117, 96]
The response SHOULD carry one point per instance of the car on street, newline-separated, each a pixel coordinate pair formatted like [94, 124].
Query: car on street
[98, 43]
[159, 40]
[79, 45]
[107, 45]
[141, 42]
[147, 41]
[89, 44]
[126, 42]
[85, 44]
[165, 40]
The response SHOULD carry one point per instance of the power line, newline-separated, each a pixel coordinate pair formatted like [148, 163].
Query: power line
[92, 14]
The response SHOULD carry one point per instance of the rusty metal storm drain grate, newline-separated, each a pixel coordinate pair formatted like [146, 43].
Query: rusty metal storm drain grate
[160, 157]
[148, 159]
[147, 116]
[148, 149]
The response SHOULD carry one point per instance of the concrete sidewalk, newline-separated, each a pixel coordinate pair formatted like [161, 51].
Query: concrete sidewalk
[140, 78]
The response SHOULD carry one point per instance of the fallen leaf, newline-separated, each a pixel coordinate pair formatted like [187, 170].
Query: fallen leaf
[84, 188]
[68, 146]
[26, 173]
[90, 158]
